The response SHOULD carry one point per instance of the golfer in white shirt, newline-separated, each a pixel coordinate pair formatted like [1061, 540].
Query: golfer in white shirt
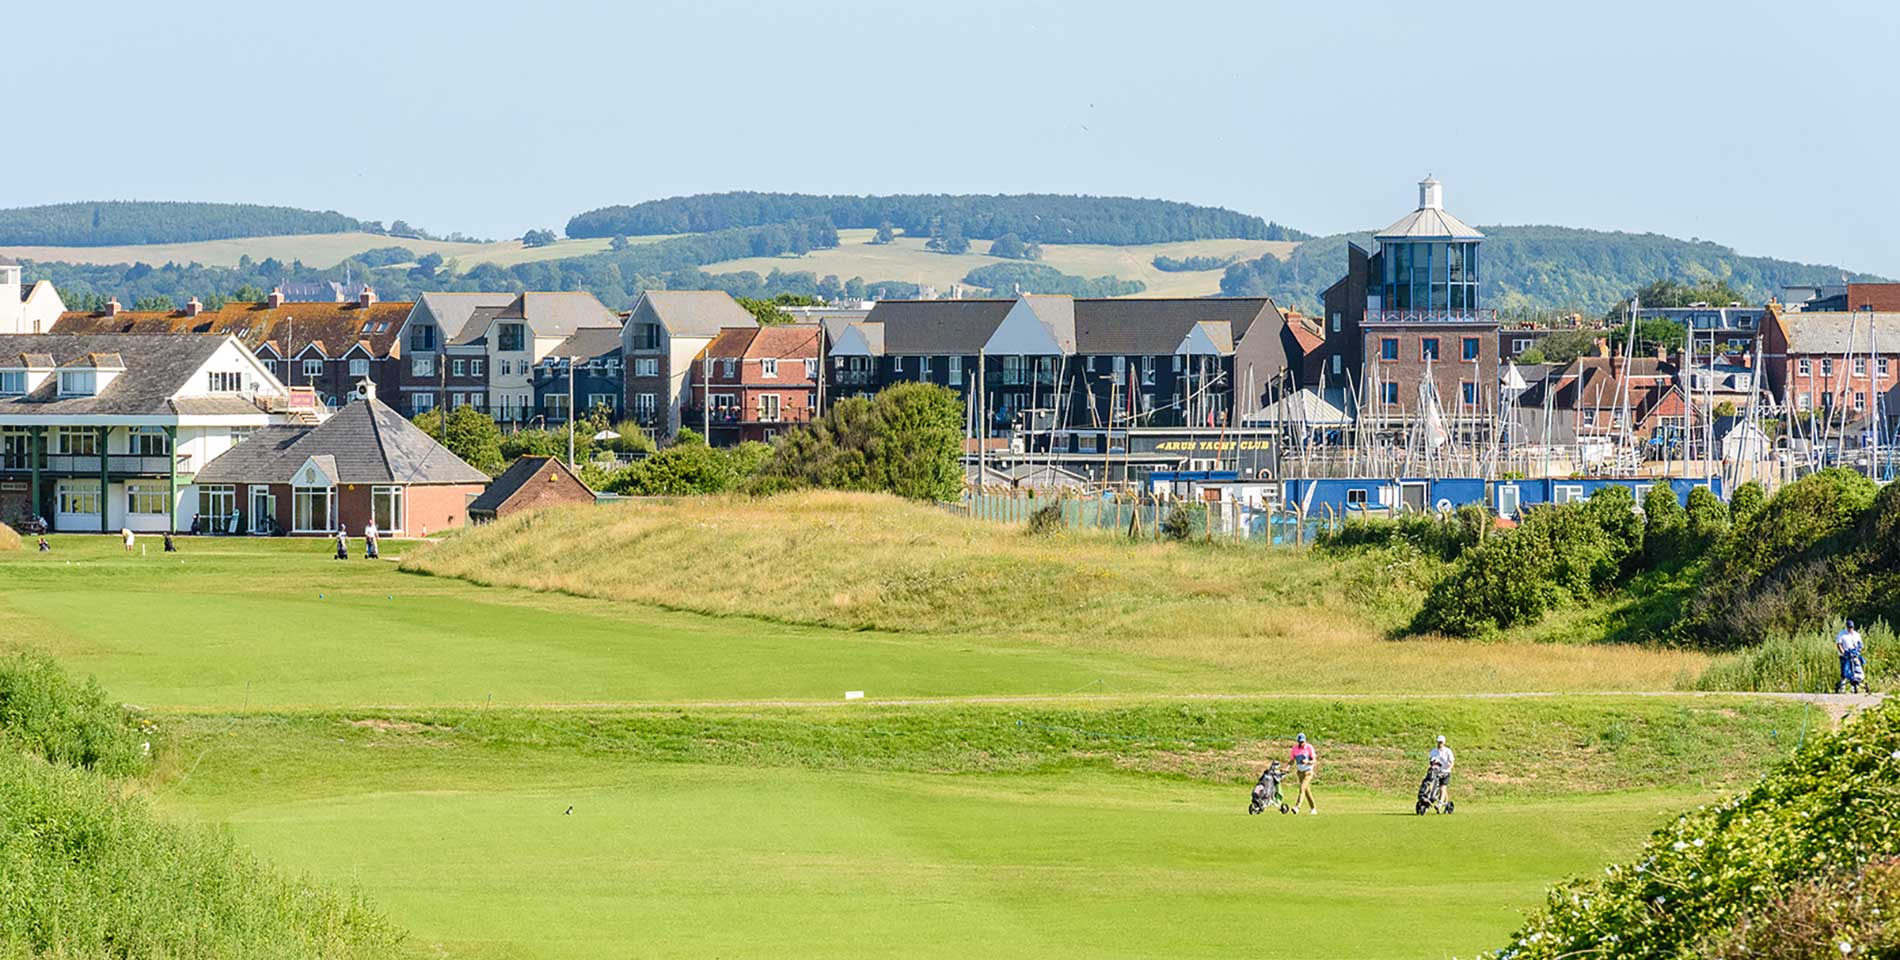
[1441, 755]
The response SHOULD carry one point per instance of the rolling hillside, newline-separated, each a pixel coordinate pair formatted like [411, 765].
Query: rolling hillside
[319, 250]
[102, 223]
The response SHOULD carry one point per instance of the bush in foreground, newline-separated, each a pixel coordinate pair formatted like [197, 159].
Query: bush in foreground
[1815, 823]
[88, 872]
[64, 721]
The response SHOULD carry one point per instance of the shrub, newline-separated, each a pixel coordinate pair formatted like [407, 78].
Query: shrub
[1803, 663]
[472, 435]
[1445, 536]
[1745, 502]
[1665, 524]
[1707, 523]
[1859, 909]
[1046, 520]
[1613, 510]
[1557, 554]
[91, 873]
[1823, 815]
[908, 440]
[1180, 523]
[60, 720]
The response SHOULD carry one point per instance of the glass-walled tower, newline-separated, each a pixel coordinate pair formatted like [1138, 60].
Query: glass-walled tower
[1429, 262]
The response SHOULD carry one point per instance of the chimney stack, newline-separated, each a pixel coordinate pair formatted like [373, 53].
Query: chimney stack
[1431, 194]
[276, 298]
[112, 307]
[367, 297]
[193, 307]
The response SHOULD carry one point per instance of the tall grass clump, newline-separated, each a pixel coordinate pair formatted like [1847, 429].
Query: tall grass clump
[88, 872]
[1822, 818]
[1803, 663]
[9, 539]
[64, 721]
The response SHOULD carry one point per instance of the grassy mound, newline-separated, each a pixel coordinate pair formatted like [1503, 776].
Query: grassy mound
[9, 539]
[1290, 619]
[87, 871]
[1817, 822]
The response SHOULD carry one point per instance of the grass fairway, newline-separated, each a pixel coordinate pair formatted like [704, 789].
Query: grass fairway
[419, 738]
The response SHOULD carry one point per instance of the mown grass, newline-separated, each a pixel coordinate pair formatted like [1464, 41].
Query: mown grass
[1270, 620]
[1517, 747]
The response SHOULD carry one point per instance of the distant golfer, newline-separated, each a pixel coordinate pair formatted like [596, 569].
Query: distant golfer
[1853, 660]
[369, 541]
[342, 544]
[44, 546]
[1304, 760]
[125, 534]
[170, 547]
[1442, 759]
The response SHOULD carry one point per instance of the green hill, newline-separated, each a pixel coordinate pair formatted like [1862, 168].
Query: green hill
[1537, 268]
[1043, 217]
[105, 223]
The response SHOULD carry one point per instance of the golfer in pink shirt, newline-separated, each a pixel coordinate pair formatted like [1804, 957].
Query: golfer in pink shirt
[1304, 760]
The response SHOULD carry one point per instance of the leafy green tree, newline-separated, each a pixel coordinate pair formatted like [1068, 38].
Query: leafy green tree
[767, 312]
[1745, 502]
[426, 266]
[1563, 346]
[918, 451]
[1707, 522]
[1009, 246]
[1665, 525]
[158, 302]
[885, 234]
[472, 435]
[618, 243]
[538, 238]
[250, 293]
[1613, 509]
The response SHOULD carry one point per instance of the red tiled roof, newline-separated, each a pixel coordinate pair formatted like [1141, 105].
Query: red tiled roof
[731, 342]
[792, 341]
[326, 324]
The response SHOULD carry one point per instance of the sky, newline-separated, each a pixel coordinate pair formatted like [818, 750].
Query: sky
[1765, 126]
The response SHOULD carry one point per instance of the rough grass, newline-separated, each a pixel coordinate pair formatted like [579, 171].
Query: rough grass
[1279, 620]
[1806, 663]
[9, 539]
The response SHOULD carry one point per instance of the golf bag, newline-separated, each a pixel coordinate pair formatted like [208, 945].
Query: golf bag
[1853, 673]
[1266, 792]
[1431, 791]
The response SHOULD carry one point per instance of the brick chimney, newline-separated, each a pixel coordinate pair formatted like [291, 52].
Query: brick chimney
[367, 298]
[193, 307]
[112, 307]
[276, 298]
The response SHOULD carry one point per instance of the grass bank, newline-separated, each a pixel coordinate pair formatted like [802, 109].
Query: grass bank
[1267, 619]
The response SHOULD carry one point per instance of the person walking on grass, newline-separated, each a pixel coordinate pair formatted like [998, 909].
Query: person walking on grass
[1304, 760]
[342, 544]
[1853, 663]
[1441, 761]
[44, 546]
[369, 541]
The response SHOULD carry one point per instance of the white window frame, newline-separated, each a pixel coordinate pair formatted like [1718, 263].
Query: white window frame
[79, 383]
[224, 381]
[1563, 493]
[644, 404]
[312, 368]
[811, 368]
[298, 495]
[83, 494]
[422, 402]
[646, 366]
[12, 383]
[359, 366]
[475, 367]
[422, 365]
[1804, 366]
[135, 438]
[146, 498]
[214, 495]
[956, 369]
[62, 444]
[770, 409]
[397, 508]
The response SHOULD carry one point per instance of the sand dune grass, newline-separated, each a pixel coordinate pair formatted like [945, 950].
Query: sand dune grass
[1280, 620]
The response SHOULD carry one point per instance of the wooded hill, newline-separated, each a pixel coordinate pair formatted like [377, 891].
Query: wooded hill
[114, 222]
[1537, 269]
[1042, 218]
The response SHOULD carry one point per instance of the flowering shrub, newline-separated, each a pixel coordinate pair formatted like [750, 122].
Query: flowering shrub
[1821, 817]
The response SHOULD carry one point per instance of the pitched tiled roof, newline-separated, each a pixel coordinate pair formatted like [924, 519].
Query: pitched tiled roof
[589, 343]
[369, 442]
[559, 314]
[938, 326]
[475, 325]
[695, 313]
[789, 340]
[335, 325]
[731, 342]
[451, 311]
[1835, 334]
[512, 480]
[160, 367]
[1137, 326]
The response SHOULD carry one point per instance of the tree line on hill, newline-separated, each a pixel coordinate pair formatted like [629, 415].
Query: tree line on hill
[1538, 270]
[117, 222]
[1006, 279]
[1041, 218]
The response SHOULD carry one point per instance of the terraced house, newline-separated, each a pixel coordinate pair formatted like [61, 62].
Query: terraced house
[108, 431]
[480, 349]
[751, 383]
[1079, 364]
[664, 335]
[330, 347]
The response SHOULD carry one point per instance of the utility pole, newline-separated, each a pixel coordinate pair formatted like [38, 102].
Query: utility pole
[705, 397]
[570, 413]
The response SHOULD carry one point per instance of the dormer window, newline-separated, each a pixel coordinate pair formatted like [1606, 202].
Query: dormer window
[78, 383]
[12, 383]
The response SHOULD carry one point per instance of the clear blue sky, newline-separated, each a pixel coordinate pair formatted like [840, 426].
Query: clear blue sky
[1767, 126]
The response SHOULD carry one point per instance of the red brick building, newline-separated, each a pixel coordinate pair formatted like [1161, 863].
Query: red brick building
[750, 383]
[529, 483]
[365, 462]
[1834, 362]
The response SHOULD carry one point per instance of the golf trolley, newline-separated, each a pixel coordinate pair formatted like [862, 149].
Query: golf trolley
[1853, 673]
[1431, 791]
[1266, 791]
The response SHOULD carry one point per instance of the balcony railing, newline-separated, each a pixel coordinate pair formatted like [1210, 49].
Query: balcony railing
[854, 378]
[75, 463]
[1431, 316]
[733, 416]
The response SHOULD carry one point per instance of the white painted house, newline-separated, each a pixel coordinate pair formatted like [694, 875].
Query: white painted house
[25, 309]
[100, 432]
